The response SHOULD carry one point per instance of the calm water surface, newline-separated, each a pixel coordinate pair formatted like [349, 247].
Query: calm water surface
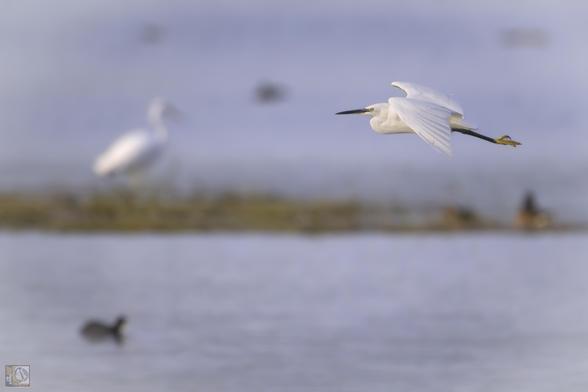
[256, 312]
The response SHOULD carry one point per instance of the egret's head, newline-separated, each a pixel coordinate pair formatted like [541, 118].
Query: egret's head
[378, 109]
[161, 108]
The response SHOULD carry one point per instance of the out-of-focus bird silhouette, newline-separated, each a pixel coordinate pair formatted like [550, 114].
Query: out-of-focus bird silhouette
[97, 331]
[268, 92]
[525, 38]
[530, 216]
[132, 153]
[457, 218]
[152, 33]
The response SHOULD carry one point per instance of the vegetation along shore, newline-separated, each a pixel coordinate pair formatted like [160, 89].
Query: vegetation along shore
[128, 212]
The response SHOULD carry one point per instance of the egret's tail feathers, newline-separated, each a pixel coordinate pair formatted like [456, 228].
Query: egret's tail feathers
[507, 141]
[456, 121]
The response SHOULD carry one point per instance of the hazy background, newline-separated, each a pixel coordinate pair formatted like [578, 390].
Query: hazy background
[413, 312]
[76, 74]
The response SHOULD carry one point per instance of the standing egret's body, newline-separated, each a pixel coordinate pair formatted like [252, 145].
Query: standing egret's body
[429, 114]
[136, 150]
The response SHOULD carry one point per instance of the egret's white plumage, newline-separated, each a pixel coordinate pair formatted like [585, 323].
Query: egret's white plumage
[137, 149]
[422, 93]
[429, 114]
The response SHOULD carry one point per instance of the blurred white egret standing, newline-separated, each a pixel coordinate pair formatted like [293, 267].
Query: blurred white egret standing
[429, 114]
[132, 153]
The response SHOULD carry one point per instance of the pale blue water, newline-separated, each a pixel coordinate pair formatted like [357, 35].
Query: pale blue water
[255, 312]
[77, 74]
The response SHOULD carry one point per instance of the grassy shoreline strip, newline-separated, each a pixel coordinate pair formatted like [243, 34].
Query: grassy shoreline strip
[126, 212]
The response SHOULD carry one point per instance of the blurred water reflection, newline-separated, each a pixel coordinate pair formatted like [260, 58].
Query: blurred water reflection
[258, 312]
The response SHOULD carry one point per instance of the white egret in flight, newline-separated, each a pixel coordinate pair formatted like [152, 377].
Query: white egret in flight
[429, 114]
[136, 150]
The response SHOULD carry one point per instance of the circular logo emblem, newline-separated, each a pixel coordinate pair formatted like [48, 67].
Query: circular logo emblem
[21, 375]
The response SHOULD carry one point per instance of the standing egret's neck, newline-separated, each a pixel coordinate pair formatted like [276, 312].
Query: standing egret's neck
[155, 117]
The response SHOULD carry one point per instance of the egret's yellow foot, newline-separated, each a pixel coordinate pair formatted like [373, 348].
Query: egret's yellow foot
[507, 141]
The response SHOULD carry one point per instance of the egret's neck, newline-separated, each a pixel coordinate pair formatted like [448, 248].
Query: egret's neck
[378, 115]
[155, 118]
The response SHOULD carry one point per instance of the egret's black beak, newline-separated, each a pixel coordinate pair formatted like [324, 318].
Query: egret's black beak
[355, 111]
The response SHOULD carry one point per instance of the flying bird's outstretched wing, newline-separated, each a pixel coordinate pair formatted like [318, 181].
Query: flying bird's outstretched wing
[428, 120]
[421, 93]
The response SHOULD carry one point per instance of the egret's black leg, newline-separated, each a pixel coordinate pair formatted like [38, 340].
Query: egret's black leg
[474, 134]
[504, 140]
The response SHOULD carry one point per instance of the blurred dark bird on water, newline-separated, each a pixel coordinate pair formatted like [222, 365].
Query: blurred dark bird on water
[459, 218]
[97, 331]
[268, 92]
[525, 38]
[530, 216]
[152, 33]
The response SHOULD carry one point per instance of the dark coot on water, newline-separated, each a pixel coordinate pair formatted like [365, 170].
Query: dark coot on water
[96, 331]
